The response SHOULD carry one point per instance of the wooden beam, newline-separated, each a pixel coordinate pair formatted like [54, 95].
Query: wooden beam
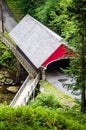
[2, 19]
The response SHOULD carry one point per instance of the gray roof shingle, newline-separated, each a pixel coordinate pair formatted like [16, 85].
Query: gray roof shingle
[35, 40]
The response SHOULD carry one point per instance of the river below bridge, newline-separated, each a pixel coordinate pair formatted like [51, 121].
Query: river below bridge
[6, 96]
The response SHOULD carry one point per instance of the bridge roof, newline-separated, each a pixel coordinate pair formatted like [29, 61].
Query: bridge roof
[35, 40]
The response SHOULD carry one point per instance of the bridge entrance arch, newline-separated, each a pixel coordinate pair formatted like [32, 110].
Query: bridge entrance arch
[54, 71]
[58, 65]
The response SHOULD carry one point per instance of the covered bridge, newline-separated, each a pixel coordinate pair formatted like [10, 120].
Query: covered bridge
[37, 43]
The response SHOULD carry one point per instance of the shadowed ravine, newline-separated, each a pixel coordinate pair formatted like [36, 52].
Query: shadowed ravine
[5, 95]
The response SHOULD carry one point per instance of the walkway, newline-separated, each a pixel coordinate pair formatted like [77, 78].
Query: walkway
[26, 90]
[28, 87]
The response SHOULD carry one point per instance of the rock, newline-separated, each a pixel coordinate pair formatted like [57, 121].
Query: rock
[5, 78]
[13, 89]
[7, 75]
[8, 81]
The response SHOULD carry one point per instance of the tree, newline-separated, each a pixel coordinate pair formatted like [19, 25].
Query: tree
[44, 9]
[24, 6]
[77, 10]
[68, 19]
[29, 6]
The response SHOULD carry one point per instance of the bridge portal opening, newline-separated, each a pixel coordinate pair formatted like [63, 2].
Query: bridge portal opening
[58, 65]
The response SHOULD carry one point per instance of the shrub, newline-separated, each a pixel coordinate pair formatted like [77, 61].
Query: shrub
[39, 118]
[46, 100]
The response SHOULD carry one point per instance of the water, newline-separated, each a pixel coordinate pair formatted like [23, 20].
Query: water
[5, 95]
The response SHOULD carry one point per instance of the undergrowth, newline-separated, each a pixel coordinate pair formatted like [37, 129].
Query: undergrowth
[40, 118]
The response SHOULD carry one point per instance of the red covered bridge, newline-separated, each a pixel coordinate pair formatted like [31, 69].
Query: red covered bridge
[39, 44]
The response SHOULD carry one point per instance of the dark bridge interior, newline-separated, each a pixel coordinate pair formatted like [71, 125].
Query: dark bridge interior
[58, 65]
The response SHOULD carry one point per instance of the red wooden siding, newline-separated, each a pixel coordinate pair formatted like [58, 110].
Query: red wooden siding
[61, 52]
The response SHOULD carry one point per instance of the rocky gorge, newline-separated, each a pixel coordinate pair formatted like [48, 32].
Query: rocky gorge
[10, 82]
[8, 87]
[5, 78]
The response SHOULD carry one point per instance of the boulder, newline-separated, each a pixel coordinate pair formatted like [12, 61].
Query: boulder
[13, 89]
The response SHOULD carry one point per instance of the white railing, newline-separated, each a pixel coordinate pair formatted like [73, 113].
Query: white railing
[25, 92]
[19, 92]
[28, 87]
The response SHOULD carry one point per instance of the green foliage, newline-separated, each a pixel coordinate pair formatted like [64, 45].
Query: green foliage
[28, 118]
[77, 10]
[63, 99]
[46, 100]
[30, 6]
[14, 6]
[24, 5]
[6, 57]
[43, 11]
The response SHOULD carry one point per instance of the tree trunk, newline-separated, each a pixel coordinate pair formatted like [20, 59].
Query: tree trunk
[83, 71]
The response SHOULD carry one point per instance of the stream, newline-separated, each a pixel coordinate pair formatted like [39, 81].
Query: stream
[5, 95]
